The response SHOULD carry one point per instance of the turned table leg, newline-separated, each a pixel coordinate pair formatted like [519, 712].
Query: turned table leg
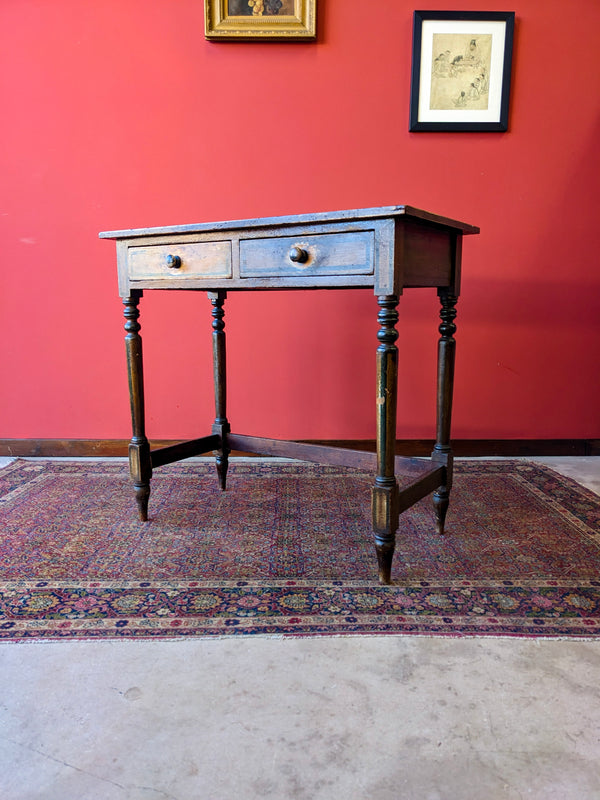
[442, 451]
[385, 492]
[221, 425]
[140, 466]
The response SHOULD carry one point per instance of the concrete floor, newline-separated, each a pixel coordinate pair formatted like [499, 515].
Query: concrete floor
[373, 718]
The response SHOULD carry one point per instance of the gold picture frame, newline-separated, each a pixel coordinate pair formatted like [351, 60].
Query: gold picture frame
[260, 19]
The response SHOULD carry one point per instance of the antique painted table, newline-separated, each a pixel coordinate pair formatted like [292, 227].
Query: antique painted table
[385, 249]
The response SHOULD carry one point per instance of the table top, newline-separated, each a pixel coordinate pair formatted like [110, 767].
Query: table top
[353, 215]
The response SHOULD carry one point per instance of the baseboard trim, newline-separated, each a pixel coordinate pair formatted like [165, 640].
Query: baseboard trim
[112, 448]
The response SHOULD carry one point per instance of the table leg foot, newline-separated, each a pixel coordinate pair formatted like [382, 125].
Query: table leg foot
[384, 503]
[142, 496]
[385, 555]
[222, 461]
[140, 469]
[441, 501]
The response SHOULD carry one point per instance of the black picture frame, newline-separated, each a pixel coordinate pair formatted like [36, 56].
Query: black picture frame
[467, 90]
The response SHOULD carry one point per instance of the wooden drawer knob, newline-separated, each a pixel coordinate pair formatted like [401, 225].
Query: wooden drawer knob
[298, 255]
[173, 262]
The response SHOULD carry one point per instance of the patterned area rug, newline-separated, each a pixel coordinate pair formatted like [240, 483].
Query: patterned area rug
[287, 550]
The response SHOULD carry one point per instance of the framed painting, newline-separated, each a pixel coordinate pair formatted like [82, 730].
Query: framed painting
[260, 19]
[461, 70]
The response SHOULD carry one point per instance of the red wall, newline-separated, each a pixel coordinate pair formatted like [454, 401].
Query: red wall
[120, 114]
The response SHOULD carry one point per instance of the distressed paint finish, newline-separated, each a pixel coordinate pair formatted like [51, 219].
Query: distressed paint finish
[386, 249]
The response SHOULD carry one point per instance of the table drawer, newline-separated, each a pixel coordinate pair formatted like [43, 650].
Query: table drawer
[190, 260]
[326, 254]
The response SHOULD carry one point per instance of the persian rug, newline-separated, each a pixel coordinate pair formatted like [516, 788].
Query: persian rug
[287, 550]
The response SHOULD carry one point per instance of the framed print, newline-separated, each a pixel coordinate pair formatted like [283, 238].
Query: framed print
[461, 70]
[260, 19]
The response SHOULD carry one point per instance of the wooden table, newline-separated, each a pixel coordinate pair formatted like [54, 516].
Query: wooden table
[386, 249]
